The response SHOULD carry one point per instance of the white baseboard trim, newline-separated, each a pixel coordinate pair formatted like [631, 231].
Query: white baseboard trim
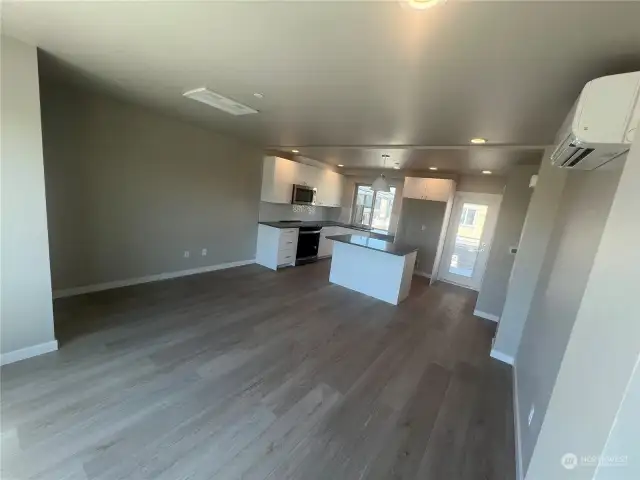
[70, 292]
[516, 424]
[422, 274]
[488, 316]
[503, 357]
[28, 352]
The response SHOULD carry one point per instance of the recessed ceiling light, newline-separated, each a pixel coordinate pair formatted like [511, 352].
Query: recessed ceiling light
[478, 140]
[433, 168]
[295, 151]
[486, 172]
[423, 4]
[258, 95]
[340, 165]
[396, 167]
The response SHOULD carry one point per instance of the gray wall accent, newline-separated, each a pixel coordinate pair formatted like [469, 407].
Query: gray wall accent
[481, 184]
[130, 190]
[515, 202]
[416, 214]
[25, 310]
[603, 348]
[276, 211]
[576, 233]
[535, 236]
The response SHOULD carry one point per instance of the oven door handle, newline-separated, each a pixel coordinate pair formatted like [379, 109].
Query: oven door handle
[310, 233]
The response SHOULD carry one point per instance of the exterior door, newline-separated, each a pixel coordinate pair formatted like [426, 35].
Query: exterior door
[468, 240]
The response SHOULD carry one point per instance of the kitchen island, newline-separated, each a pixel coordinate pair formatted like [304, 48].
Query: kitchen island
[373, 266]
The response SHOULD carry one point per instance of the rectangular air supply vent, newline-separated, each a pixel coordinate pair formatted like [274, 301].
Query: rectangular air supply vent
[218, 101]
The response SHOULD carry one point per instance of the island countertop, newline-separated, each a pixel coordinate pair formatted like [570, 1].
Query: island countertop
[374, 244]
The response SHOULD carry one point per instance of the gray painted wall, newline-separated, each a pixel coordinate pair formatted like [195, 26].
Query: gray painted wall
[415, 215]
[130, 190]
[26, 310]
[575, 237]
[603, 348]
[513, 210]
[536, 233]
[481, 184]
[276, 211]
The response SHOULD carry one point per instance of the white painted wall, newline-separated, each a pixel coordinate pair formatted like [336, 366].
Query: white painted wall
[620, 463]
[602, 350]
[25, 304]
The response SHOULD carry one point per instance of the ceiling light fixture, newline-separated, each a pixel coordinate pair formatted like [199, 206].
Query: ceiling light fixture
[433, 168]
[216, 100]
[478, 141]
[340, 165]
[380, 184]
[423, 4]
[486, 172]
[258, 95]
[295, 151]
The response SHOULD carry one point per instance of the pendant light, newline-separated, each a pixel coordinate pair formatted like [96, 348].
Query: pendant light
[380, 184]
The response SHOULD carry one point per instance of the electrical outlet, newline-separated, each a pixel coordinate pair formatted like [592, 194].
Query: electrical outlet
[424, 227]
[204, 252]
[186, 254]
[531, 412]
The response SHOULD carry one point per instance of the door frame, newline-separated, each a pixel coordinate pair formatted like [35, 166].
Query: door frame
[493, 200]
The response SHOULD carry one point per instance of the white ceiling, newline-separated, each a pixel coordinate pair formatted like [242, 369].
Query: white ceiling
[371, 75]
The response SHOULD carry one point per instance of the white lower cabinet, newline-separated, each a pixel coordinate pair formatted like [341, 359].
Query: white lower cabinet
[325, 249]
[276, 247]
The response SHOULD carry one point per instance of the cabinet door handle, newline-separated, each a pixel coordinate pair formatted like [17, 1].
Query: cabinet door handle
[289, 242]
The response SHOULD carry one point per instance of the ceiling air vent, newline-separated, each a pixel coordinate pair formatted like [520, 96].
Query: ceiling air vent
[218, 101]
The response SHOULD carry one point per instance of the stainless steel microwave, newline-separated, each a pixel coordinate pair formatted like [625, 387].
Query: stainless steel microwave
[304, 195]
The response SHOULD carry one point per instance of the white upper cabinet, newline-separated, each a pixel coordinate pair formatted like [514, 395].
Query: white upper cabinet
[414, 188]
[436, 189]
[279, 175]
[330, 186]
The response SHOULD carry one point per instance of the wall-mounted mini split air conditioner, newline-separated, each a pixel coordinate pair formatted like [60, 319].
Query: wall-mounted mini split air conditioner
[602, 124]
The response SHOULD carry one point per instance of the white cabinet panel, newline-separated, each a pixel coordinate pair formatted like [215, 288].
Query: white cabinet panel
[330, 186]
[278, 177]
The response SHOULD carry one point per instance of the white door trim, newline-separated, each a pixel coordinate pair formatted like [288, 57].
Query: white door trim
[494, 201]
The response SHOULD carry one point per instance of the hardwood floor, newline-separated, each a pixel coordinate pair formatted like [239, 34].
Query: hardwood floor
[247, 373]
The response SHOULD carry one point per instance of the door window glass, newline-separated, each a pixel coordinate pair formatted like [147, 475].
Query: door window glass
[468, 236]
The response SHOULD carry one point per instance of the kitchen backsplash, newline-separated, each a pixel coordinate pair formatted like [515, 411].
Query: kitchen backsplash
[275, 211]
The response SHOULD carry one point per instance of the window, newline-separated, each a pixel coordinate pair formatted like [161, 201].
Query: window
[372, 209]
[468, 218]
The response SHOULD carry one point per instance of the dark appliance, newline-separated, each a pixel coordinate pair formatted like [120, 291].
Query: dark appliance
[308, 242]
[303, 195]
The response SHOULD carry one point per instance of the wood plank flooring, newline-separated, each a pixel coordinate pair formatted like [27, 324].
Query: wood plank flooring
[252, 374]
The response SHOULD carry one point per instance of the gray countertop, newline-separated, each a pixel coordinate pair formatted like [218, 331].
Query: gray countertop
[377, 244]
[326, 223]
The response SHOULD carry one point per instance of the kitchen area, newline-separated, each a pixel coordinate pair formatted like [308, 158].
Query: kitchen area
[308, 213]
